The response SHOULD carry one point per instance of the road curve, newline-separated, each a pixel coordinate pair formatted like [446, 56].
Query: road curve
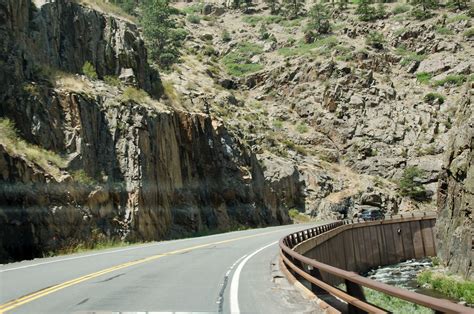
[229, 272]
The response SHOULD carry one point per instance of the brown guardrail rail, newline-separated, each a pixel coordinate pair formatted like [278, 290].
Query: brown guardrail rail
[311, 269]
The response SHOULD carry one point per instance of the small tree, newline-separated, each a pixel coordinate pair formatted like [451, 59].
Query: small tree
[365, 11]
[274, 6]
[459, 4]
[319, 19]
[410, 186]
[426, 5]
[293, 8]
[159, 29]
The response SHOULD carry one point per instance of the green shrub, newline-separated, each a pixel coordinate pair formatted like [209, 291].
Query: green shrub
[410, 186]
[226, 36]
[458, 289]
[89, 70]
[423, 77]
[193, 18]
[83, 178]
[401, 8]
[194, 8]
[238, 62]
[366, 11]
[469, 33]
[409, 56]
[324, 45]
[135, 95]
[455, 80]
[293, 213]
[431, 97]
[420, 14]
[112, 80]
[277, 124]
[302, 128]
[444, 30]
[458, 18]
[375, 40]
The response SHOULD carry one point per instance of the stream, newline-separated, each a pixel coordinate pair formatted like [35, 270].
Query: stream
[404, 274]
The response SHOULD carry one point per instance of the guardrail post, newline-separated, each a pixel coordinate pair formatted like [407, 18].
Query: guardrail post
[356, 291]
[314, 272]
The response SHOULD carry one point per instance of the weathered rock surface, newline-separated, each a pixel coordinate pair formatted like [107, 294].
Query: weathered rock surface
[455, 224]
[152, 172]
[36, 38]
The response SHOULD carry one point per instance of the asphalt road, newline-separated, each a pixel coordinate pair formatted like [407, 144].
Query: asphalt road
[231, 272]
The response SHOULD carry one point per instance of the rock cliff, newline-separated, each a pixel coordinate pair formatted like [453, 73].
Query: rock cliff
[456, 195]
[131, 168]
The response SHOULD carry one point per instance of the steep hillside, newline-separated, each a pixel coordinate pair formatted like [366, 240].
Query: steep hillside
[354, 109]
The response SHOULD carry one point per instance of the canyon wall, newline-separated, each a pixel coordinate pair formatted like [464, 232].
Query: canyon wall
[134, 169]
[456, 195]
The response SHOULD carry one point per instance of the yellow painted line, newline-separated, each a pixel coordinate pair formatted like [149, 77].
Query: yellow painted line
[41, 293]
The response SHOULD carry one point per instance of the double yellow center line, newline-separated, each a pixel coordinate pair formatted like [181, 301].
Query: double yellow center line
[41, 293]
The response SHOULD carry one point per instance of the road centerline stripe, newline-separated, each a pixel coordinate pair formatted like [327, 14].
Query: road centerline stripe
[44, 292]
[234, 285]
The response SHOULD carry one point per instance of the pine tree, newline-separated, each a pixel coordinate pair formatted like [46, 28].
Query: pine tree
[293, 8]
[274, 6]
[319, 19]
[157, 29]
[365, 11]
[426, 4]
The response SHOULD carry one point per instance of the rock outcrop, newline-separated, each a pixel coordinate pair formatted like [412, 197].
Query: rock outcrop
[135, 169]
[455, 224]
[64, 35]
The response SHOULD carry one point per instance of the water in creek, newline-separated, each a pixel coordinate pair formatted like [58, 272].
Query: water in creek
[404, 274]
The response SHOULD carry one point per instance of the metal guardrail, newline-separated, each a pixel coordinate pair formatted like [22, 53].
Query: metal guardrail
[311, 269]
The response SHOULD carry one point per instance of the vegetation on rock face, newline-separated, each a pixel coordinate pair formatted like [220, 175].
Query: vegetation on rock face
[238, 62]
[162, 36]
[431, 97]
[293, 8]
[462, 290]
[89, 70]
[319, 19]
[48, 160]
[409, 185]
[135, 95]
[81, 177]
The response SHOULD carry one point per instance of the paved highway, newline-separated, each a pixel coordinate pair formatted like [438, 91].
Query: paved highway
[230, 273]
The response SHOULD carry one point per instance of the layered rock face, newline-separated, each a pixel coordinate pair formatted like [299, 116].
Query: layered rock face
[456, 195]
[135, 169]
[64, 35]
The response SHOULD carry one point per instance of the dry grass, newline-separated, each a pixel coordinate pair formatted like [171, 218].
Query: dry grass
[72, 83]
[108, 8]
[49, 161]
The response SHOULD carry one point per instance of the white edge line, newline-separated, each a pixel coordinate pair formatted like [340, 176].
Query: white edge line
[234, 286]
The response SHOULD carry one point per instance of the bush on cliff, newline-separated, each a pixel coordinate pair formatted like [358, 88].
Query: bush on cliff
[89, 70]
[409, 185]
